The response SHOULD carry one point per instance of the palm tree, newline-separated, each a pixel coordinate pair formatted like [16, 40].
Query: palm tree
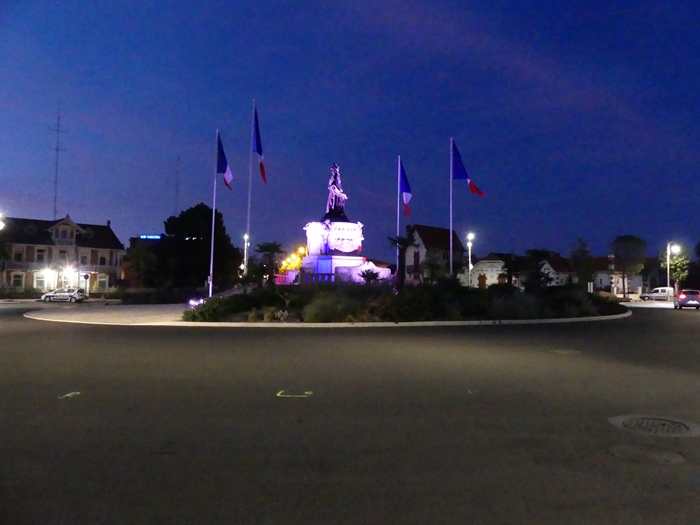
[269, 252]
[402, 243]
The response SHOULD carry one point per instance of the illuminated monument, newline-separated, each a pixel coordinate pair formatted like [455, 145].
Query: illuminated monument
[333, 245]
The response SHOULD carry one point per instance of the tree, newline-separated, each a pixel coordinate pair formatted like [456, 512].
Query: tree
[143, 262]
[431, 266]
[402, 244]
[678, 267]
[185, 250]
[535, 278]
[582, 263]
[629, 252]
[268, 252]
[369, 276]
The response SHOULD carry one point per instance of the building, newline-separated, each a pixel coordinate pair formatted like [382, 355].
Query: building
[45, 255]
[437, 241]
[492, 269]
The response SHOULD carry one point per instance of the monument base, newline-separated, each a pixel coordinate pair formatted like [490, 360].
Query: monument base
[331, 268]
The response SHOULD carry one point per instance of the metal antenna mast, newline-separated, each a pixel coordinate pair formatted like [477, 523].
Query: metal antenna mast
[177, 184]
[58, 131]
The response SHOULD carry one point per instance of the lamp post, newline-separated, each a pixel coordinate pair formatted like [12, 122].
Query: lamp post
[245, 254]
[675, 249]
[470, 238]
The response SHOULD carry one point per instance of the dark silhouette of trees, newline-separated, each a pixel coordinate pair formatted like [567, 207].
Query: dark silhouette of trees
[629, 252]
[402, 243]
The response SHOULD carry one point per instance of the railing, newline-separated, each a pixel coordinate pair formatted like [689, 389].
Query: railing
[317, 277]
[60, 266]
[64, 242]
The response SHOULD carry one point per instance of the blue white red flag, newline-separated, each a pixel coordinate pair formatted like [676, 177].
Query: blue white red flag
[404, 188]
[460, 172]
[257, 147]
[222, 164]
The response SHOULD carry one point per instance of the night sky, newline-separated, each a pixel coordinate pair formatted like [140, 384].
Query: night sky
[575, 118]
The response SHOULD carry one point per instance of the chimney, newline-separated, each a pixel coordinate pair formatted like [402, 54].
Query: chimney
[109, 223]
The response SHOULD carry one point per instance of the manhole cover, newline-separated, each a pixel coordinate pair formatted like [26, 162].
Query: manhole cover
[658, 426]
[647, 454]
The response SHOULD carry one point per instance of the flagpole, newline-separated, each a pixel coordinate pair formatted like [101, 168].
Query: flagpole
[213, 213]
[451, 171]
[250, 186]
[398, 198]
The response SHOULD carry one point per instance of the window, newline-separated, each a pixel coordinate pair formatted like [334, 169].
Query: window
[63, 281]
[103, 260]
[63, 255]
[17, 257]
[83, 260]
[17, 280]
[64, 234]
[102, 283]
[39, 281]
[40, 256]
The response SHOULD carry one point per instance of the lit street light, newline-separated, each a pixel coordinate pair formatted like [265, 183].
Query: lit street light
[470, 238]
[670, 249]
[2, 224]
[245, 254]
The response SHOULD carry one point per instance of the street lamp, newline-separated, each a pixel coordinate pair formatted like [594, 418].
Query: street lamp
[470, 238]
[245, 254]
[670, 249]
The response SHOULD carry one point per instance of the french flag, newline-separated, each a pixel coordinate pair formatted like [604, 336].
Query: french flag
[404, 188]
[257, 146]
[460, 172]
[222, 166]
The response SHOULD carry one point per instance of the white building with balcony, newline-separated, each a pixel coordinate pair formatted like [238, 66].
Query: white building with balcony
[45, 255]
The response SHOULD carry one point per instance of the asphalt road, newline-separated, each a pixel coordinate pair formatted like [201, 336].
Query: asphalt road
[463, 425]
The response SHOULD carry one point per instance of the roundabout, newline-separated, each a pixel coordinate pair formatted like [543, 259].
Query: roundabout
[416, 424]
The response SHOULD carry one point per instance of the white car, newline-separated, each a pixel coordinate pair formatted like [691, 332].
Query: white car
[662, 293]
[74, 295]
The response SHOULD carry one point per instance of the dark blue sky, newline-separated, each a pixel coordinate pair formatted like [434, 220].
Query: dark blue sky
[576, 118]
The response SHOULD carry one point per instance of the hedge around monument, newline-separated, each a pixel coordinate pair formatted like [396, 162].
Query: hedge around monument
[446, 300]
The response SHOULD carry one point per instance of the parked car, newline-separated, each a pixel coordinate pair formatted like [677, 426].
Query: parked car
[74, 295]
[687, 298]
[663, 293]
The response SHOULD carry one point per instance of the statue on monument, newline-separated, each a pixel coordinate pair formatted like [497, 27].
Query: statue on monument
[335, 207]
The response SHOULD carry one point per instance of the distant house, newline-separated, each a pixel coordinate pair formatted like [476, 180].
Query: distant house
[491, 269]
[45, 255]
[437, 241]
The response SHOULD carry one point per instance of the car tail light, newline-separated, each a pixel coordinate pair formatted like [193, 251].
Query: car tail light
[682, 296]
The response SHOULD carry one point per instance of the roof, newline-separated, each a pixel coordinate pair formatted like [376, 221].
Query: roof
[38, 232]
[559, 264]
[438, 238]
[601, 264]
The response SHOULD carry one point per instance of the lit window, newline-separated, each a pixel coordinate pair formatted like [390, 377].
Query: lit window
[39, 281]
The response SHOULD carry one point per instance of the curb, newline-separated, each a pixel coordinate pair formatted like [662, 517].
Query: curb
[345, 325]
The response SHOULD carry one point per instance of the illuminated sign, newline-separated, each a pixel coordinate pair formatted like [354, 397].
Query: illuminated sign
[149, 236]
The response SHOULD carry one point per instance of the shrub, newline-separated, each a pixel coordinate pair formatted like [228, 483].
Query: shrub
[515, 306]
[210, 311]
[329, 308]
